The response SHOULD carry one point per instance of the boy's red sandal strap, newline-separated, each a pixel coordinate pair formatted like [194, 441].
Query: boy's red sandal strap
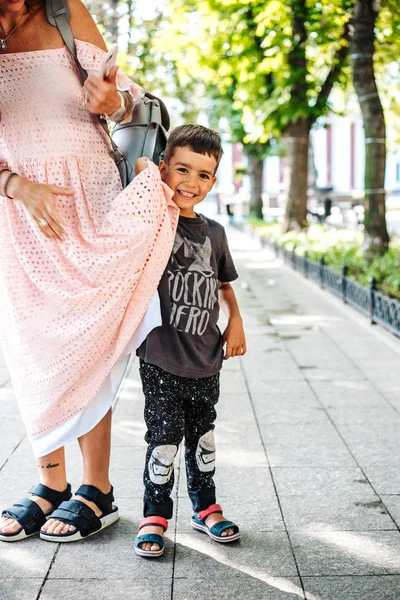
[214, 508]
[156, 521]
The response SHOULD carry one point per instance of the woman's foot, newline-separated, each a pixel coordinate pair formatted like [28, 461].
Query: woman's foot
[90, 511]
[9, 526]
[53, 526]
[25, 517]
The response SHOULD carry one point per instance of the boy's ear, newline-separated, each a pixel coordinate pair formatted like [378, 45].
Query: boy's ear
[213, 180]
[163, 169]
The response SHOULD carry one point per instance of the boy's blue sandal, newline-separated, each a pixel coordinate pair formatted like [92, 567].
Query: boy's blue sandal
[152, 538]
[28, 513]
[82, 517]
[215, 531]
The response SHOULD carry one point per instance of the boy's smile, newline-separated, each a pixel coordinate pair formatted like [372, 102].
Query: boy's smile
[191, 176]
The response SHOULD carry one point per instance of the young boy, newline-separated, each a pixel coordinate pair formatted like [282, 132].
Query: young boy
[181, 360]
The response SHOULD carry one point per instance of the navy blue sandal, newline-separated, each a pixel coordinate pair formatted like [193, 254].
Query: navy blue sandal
[29, 514]
[153, 538]
[214, 532]
[82, 517]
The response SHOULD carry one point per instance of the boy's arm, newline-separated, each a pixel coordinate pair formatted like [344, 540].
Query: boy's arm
[234, 336]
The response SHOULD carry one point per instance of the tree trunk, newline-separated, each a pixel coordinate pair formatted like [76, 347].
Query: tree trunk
[114, 25]
[297, 142]
[255, 170]
[130, 21]
[362, 61]
[297, 134]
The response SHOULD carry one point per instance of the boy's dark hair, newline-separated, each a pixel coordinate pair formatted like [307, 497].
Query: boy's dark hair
[199, 139]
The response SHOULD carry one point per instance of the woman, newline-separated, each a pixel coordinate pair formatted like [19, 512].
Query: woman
[80, 261]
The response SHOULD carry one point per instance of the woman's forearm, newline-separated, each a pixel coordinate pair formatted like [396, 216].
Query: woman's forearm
[12, 185]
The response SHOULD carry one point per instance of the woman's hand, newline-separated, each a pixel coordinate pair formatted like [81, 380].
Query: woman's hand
[39, 201]
[100, 96]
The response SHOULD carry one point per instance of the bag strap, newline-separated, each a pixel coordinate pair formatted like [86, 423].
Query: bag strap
[151, 140]
[58, 15]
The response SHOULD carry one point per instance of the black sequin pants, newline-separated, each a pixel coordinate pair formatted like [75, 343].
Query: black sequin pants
[177, 408]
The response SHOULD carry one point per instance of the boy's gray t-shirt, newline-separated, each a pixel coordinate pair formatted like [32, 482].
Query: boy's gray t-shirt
[189, 342]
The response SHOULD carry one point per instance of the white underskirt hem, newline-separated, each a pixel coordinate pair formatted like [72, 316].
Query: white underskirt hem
[88, 418]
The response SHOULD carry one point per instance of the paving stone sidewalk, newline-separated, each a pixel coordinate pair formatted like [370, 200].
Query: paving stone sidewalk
[308, 465]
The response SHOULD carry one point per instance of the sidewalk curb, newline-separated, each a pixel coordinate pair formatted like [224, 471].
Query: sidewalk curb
[381, 334]
[384, 336]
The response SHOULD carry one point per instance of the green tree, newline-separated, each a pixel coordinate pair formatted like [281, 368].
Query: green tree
[284, 58]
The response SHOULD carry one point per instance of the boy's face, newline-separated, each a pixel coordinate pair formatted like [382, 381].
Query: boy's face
[191, 177]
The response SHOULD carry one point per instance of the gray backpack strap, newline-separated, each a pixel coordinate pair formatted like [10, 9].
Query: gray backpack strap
[151, 140]
[58, 15]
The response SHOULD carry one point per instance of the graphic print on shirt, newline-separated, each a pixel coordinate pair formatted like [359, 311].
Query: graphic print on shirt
[193, 285]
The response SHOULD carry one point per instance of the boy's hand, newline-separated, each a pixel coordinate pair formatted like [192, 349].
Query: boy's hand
[234, 338]
[141, 164]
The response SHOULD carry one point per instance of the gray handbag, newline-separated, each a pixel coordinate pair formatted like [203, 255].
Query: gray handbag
[145, 134]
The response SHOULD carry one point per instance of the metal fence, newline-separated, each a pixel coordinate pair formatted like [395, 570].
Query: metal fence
[368, 300]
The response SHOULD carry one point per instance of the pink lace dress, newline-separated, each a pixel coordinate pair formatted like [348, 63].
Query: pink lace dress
[69, 310]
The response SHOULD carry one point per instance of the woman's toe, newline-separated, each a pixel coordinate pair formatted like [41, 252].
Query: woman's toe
[155, 547]
[11, 527]
[52, 526]
[59, 528]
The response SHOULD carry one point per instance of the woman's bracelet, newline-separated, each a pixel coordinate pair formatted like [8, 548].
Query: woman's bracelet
[6, 170]
[124, 110]
[5, 186]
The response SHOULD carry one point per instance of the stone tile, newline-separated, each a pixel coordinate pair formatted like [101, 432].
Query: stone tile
[234, 408]
[321, 374]
[110, 555]
[287, 392]
[236, 482]
[385, 587]
[342, 394]
[359, 415]
[267, 554]
[240, 455]
[18, 589]
[383, 432]
[375, 454]
[316, 512]
[104, 589]
[29, 559]
[235, 434]
[383, 374]
[278, 360]
[323, 553]
[250, 515]
[309, 455]
[127, 458]
[297, 433]
[385, 478]
[260, 384]
[239, 585]
[275, 412]
[392, 504]
[129, 484]
[128, 432]
[322, 481]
